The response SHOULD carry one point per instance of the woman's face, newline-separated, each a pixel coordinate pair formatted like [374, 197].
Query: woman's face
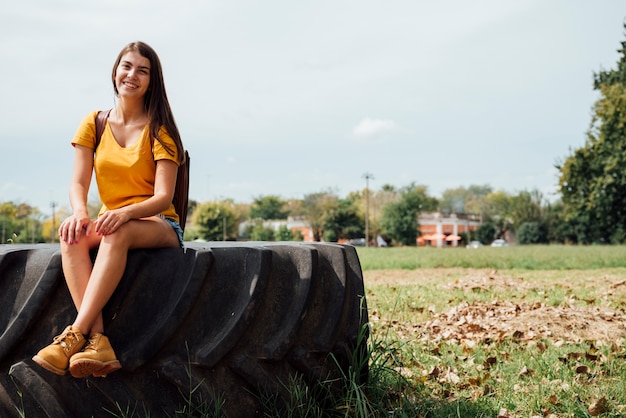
[132, 76]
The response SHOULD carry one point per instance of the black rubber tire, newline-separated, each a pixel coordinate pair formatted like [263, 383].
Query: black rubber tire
[227, 323]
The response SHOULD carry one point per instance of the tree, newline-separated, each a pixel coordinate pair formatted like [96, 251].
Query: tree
[557, 227]
[399, 218]
[532, 233]
[315, 206]
[453, 200]
[526, 206]
[399, 221]
[284, 234]
[343, 222]
[464, 200]
[214, 221]
[260, 232]
[377, 200]
[497, 209]
[268, 207]
[7, 211]
[593, 178]
[20, 223]
[486, 232]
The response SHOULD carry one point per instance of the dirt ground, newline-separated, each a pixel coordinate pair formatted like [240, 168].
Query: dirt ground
[601, 318]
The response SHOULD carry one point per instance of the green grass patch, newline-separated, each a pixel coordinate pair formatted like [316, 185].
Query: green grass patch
[530, 257]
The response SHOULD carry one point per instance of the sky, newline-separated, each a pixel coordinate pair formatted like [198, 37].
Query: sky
[289, 98]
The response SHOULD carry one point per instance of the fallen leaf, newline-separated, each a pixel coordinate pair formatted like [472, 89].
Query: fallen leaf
[503, 413]
[435, 372]
[489, 362]
[582, 369]
[598, 407]
[474, 381]
[526, 371]
[452, 377]
[541, 346]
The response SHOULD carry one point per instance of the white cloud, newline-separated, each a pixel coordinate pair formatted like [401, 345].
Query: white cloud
[374, 129]
[11, 186]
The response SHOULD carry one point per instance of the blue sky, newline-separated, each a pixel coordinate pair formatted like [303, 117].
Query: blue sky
[290, 98]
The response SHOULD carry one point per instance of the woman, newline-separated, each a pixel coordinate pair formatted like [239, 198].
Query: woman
[135, 164]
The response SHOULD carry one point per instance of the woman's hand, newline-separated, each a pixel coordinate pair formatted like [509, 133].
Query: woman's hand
[110, 221]
[72, 228]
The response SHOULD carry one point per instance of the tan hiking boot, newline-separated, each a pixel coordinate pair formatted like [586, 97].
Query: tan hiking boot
[56, 357]
[97, 359]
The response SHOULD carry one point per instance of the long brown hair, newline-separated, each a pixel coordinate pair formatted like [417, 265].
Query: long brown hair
[155, 100]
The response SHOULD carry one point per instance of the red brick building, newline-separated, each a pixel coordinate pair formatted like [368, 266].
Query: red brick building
[442, 230]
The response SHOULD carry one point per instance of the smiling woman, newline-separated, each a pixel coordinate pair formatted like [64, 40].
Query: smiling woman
[135, 163]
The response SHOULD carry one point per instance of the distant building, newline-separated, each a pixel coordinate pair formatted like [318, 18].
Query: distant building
[441, 230]
[435, 228]
[300, 224]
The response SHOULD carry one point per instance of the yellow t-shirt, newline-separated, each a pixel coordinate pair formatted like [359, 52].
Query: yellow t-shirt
[125, 175]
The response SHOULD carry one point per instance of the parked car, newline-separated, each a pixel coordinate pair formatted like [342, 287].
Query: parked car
[357, 242]
[499, 243]
[474, 244]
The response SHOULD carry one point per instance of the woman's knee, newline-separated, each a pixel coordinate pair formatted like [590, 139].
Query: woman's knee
[122, 236]
[80, 247]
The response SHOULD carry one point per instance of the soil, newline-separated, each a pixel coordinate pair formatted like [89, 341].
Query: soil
[602, 318]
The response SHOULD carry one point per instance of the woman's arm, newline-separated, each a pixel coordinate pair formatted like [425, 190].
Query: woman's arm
[164, 184]
[70, 228]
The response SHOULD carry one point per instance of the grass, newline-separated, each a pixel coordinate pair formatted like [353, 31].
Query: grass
[531, 257]
[510, 377]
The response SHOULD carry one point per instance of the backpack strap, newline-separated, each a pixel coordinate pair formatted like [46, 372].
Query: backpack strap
[101, 122]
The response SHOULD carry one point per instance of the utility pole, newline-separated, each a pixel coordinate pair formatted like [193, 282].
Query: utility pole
[367, 177]
[53, 205]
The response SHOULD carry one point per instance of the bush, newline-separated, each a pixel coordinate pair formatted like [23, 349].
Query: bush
[532, 233]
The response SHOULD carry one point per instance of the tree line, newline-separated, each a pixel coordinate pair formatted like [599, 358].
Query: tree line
[590, 206]
[393, 215]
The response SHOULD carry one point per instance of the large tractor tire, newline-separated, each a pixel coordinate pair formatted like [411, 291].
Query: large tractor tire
[217, 326]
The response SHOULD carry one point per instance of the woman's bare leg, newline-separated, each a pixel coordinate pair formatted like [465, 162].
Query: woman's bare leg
[110, 265]
[91, 287]
[77, 267]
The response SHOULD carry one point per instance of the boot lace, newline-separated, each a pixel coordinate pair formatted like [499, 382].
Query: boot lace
[92, 344]
[67, 339]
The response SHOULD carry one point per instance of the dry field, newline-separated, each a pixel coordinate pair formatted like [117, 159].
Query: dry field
[590, 305]
[505, 344]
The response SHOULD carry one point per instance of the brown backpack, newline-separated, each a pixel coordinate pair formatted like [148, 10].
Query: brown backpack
[181, 191]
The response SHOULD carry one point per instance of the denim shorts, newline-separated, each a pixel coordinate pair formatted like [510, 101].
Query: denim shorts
[177, 229]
